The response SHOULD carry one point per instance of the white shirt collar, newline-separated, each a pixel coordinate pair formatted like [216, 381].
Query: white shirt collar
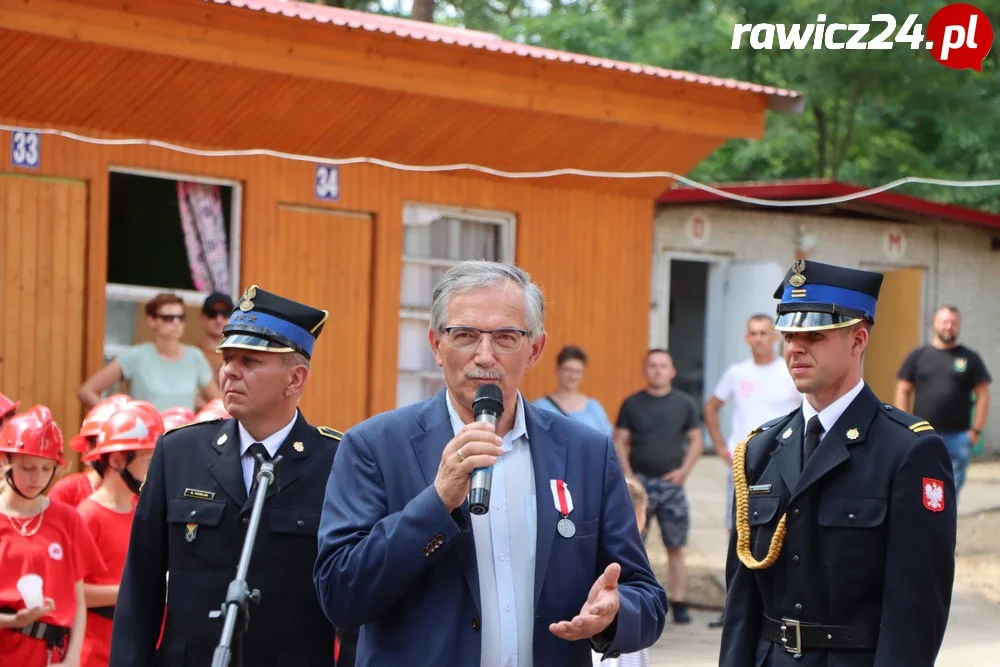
[831, 413]
[271, 443]
[519, 430]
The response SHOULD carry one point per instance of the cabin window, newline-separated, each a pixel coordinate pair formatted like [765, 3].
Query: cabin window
[167, 233]
[436, 238]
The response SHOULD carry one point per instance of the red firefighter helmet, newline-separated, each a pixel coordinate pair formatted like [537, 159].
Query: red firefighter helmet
[7, 407]
[134, 427]
[33, 433]
[92, 423]
[213, 410]
[174, 417]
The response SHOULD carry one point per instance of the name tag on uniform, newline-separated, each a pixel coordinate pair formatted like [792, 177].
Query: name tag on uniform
[760, 488]
[199, 494]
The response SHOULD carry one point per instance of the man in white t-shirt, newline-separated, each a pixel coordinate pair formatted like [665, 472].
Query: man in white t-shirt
[760, 389]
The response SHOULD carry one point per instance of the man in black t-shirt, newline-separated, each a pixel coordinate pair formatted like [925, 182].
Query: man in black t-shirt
[945, 375]
[659, 441]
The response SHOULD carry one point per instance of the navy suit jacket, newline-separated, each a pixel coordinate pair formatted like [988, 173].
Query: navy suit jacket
[394, 562]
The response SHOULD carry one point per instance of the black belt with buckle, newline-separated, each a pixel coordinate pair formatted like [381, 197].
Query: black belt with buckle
[795, 636]
[52, 635]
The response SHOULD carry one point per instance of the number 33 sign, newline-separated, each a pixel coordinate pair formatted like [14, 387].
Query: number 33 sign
[24, 148]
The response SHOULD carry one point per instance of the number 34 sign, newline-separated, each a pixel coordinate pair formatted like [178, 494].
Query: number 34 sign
[24, 148]
[327, 182]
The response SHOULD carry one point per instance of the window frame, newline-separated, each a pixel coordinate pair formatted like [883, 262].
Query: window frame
[507, 223]
[139, 294]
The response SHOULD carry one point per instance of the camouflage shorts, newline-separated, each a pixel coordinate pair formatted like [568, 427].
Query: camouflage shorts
[668, 503]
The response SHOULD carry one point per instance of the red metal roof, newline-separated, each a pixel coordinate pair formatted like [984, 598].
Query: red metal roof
[461, 37]
[823, 188]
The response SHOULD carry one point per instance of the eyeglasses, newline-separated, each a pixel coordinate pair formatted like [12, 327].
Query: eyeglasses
[213, 314]
[171, 317]
[468, 338]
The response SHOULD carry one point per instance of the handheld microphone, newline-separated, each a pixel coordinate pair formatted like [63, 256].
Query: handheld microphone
[486, 407]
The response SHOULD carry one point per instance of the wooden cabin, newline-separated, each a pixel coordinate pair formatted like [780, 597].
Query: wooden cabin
[106, 106]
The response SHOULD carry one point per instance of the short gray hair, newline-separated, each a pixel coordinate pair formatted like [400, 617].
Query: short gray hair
[481, 274]
[290, 359]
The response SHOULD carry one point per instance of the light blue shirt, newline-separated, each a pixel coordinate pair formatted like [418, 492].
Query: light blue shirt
[505, 551]
[593, 414]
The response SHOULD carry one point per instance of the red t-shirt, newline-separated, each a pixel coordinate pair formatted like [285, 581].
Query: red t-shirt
[111, 531]
[72, 489]
[62, 552]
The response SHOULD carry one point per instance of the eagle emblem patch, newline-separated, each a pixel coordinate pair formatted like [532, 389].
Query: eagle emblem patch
[933, 494]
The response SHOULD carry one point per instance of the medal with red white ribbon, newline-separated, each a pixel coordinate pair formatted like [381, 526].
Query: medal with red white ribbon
[564, 505]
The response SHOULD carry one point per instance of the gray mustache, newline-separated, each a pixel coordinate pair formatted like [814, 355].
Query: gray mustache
[485, 374]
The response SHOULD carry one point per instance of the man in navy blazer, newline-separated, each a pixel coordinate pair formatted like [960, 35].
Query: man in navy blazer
[556, 566]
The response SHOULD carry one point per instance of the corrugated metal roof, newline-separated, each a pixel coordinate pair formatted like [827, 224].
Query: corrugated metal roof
[461, 37]
[820, 188]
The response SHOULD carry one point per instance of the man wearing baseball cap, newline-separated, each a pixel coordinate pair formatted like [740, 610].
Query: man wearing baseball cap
[215, 312]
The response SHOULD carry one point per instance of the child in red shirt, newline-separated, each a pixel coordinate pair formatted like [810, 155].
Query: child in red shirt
[124, 448]
[75, 487]
[42, 538]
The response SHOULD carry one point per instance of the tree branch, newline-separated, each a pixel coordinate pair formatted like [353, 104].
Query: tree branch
[820, 117]
[840, 151]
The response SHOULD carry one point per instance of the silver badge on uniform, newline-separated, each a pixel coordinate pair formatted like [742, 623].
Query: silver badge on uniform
[760, 488]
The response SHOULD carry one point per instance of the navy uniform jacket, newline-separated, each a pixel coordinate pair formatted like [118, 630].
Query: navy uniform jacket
[191, 521]
[861, 546]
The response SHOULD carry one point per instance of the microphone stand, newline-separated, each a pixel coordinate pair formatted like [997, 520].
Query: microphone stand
[236, 608]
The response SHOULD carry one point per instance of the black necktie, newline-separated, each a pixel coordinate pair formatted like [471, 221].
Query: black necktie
[255, 449]
[813, 430]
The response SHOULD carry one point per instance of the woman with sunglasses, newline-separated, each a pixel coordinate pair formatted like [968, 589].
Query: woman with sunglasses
[165, 372]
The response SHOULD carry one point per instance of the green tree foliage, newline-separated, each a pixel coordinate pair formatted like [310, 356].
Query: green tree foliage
[870, 116]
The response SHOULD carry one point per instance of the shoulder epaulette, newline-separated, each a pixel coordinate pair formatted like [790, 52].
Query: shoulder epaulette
[177, 428]
[331, 433]
[915, 424]
[767, 426]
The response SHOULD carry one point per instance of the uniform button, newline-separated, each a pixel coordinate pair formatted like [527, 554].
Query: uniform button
[851, 517]
[475, 623]
[194, 512]
[755, 515]
[300, 523]
[798, 606]
[507, 607]
[795, 559]
[509, 662]
[795, 513]
[246, 520]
